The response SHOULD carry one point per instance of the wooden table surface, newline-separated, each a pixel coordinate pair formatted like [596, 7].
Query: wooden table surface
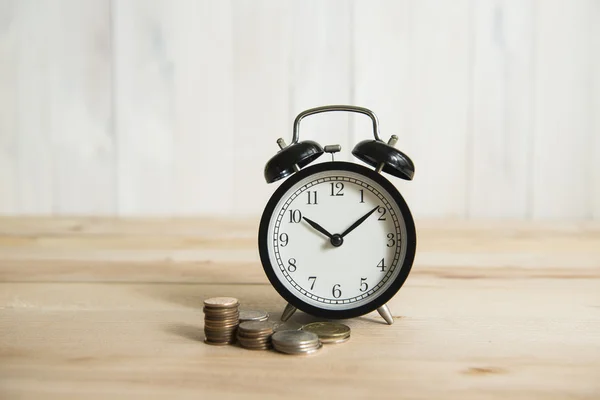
[98, 308]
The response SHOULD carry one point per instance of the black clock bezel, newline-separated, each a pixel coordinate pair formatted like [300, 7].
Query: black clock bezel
[263, 238]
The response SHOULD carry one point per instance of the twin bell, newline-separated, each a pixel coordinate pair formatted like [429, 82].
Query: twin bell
[377, 153]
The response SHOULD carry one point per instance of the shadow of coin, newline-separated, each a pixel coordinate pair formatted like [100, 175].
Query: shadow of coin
[186, 331]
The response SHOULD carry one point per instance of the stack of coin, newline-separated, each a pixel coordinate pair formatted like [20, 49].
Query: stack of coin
[221, 319]
[255, 335]
[252, 315]
[329, 332]
[296, 342]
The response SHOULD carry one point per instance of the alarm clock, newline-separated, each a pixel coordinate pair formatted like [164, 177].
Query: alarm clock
[337, 239]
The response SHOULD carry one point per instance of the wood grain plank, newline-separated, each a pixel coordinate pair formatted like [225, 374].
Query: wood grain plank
[262, 53]
[99, 341]
[595, 17]
[224, 251]
[8, 110]
[438, 113]
[241, 267]
[144, 102]
[563, 115]
[500, 148]
[58, 226]
[320, 71]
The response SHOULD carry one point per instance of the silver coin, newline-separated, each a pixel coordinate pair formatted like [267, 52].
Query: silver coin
[298, 345]
[251, 334]
[253, 315]
[298, 348]
[261, 346]
[257, 326]
[294, 338]
[246, 343]
[254, 340]
[257, 348]
[253, 344]
[248, 337]
[299, 352]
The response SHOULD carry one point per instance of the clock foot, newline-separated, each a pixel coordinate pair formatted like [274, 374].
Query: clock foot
[386, 314]
[288, 312]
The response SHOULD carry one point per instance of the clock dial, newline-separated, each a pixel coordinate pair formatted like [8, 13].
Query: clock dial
[337, 239]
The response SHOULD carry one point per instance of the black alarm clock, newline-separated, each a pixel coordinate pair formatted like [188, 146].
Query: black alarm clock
[336, 239]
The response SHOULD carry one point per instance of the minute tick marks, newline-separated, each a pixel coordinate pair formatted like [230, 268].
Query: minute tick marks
[346, 274]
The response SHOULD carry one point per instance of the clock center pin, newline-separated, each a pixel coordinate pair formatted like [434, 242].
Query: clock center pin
[337, 240]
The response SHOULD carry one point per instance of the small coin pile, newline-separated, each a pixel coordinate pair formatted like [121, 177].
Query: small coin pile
[221, 319]
[252, 315]
[296, 342]
[255, 335]
[329, 332]
[224, 323]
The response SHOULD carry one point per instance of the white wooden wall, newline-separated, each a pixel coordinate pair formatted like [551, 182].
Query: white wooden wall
[172, 107]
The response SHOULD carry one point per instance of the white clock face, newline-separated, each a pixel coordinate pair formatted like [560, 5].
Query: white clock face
[318, 269]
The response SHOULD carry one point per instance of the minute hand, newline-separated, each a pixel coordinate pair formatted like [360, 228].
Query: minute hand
[360, 221]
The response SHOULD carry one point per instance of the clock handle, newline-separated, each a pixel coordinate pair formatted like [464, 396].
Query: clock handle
[317, 110]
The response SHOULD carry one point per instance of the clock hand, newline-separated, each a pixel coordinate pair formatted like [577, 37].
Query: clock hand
[318, 227]
[360, 221]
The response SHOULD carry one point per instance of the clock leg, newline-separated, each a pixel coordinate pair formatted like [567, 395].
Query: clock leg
[288, 312]
[386, 314]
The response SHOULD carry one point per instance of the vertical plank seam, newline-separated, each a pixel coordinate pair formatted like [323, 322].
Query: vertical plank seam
[234, 123]
[352, 72]
[590, 115]
[17, 163]
[408, 52]
[595, 105]
[530, 164]
[113, 109]
[290, 66]
[175, 137]
[230, 209]
[51, 135]
[467, 213]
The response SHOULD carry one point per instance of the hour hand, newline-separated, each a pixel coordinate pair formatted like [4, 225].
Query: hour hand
[318, 227]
